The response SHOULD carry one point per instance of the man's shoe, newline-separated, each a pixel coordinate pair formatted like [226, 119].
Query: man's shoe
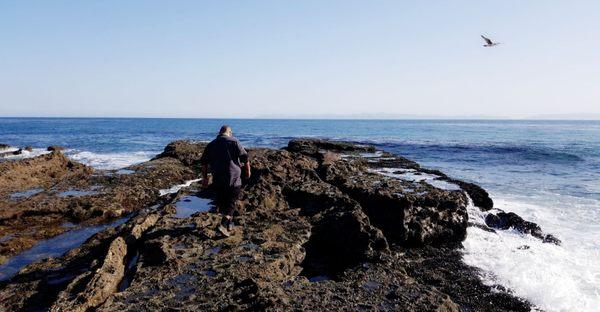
[223, 230]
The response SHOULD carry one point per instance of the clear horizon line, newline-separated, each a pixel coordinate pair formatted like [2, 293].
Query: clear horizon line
[330, 117]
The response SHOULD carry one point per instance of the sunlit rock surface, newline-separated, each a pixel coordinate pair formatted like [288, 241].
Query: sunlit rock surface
[322, 225]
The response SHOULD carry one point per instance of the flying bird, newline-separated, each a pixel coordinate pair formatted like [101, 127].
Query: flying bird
[489, 42]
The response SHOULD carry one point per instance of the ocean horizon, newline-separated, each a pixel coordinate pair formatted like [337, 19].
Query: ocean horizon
[558, 117]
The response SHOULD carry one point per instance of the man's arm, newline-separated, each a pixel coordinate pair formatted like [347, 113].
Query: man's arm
[204, 159]
[243, 156]
[204, 175]
[247, 169]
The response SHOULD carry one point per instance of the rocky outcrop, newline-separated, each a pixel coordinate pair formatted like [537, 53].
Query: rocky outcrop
[407, 216]
[39, 195]
[188, 154]
[320, 227]
[102, 283]
[313, 147]
[55, 148]
[501, 220]
[478, 195]
[43, 171]
[98, 286]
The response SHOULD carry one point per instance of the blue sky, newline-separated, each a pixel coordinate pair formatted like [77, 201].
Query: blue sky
[298, 58]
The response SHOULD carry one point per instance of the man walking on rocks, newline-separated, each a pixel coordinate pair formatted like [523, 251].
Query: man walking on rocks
[225, 156]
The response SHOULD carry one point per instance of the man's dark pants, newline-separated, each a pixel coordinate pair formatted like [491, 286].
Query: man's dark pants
[226, 198]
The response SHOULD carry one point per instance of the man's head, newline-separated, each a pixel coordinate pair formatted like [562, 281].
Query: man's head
[225, 130]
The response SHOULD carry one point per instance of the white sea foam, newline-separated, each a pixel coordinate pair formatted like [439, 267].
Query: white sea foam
[176, 188]
[8, 149]
[554, 278]
[414, 176]
[110, 160]
[24, 154]
[376, 154]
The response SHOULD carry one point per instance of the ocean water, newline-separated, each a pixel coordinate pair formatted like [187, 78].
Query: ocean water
[546, 171]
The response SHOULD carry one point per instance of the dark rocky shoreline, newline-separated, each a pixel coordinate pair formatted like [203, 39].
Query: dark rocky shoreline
[324, 226]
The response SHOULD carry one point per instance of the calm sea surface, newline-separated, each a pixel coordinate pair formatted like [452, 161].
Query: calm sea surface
[546, 171]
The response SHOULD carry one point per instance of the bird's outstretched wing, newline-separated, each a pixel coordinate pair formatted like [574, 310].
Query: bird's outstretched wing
[487, 40]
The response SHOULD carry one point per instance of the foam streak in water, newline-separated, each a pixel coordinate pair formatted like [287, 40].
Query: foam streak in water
[24, 154]
[176, 188]
[411, 175]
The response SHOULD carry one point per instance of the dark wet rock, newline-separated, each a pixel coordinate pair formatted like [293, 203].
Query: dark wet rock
[340, 240]
[480, 197]
[313, 146]
[55, 148]
[504, 221]
[4, 146]
[549, 238]
[444, 268]
[316, 229]
[28, 148]
[436, 217]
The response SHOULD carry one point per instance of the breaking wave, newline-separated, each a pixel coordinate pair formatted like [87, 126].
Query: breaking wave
[24, 153]
[554, 278]
[110, 160]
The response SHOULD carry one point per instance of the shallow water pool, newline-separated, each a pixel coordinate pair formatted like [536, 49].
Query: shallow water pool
[189, 205]
[53, 247]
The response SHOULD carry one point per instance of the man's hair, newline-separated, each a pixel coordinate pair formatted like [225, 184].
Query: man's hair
[225, 129]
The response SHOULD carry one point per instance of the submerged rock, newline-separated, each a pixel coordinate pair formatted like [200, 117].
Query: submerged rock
[504, 221]
[317, 229]
[55, 148]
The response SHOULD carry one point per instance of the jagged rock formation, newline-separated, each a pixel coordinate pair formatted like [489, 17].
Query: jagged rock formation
[323, 226]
